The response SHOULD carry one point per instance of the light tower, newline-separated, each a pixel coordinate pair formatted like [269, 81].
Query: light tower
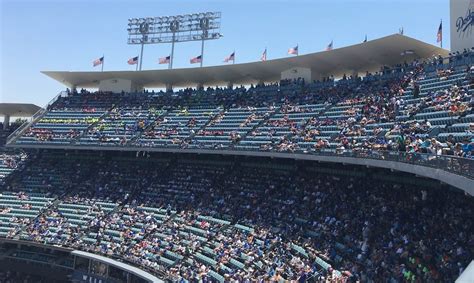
[172, 29]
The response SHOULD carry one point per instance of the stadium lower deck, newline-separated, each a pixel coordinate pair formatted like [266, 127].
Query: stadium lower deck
[202, 217]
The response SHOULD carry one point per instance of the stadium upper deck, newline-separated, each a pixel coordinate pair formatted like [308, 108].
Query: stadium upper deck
[416, 108]
[360, 58]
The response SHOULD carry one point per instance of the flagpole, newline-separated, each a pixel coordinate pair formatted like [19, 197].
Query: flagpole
[170, 64]
[136, 69]
[202, 51]
[103, 60]
[441, 33]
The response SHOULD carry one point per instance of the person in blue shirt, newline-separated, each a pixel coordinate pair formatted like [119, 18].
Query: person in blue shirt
[467, 148]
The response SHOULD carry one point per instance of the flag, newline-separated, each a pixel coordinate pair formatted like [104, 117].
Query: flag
[365, 40]
[329, 47]
[439, 35]
[195, 60]
[293, 50]
[164, 60]
[133, 61]
[98, 62]
[231, 57]
[264, 55]
[400, 30]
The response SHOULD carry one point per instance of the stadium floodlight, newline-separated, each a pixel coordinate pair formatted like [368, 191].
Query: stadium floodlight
[172, 29]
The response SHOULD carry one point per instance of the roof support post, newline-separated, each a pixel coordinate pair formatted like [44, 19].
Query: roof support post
[6, 122]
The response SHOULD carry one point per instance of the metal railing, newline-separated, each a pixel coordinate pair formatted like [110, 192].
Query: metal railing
[457, 165]
[19, 131]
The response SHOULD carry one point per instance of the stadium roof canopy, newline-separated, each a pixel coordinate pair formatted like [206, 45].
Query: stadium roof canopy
[368, 56]
[18, 109]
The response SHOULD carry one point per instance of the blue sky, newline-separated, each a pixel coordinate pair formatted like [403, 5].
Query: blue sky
[69, 34]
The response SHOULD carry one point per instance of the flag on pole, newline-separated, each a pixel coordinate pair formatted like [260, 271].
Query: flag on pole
[439, 35]
[98, 62]
[293, 50]
[164, 60]
[264, 55]
[400, 30]
[195, 60]
[133, 61]
[329, 47]
[365, 40]
[231, 57]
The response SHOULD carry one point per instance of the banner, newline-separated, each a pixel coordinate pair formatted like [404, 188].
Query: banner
[462, 24]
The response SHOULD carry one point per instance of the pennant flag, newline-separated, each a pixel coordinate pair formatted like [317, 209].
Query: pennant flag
[195, 60]
[231, 57]
[264, 55]
[164, 60]
[407, 52]
[98, 62]
[293, 50]
[400, 30]
[439, 35]
[329, 47]
[133, 61]
[365, 40]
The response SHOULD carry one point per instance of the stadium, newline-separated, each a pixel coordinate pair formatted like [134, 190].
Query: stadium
[352, 164]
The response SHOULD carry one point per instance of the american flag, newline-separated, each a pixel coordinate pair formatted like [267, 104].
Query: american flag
[195, 60]
[329, 47]
[264, 55]
[98, 62]
[439, 35]
[231, 57]
[133, 61]
[293, 50]
[164, 60]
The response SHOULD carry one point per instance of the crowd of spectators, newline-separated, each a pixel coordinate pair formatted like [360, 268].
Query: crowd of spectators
[386, 110]
[234, 220]
[15, 277]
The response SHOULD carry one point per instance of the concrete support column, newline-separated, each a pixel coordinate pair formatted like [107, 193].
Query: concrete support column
[6, 122]
[199, 86]
[169, 87]
[230, 85]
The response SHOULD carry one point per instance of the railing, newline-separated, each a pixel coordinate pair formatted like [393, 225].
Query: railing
[19, 131]
[457, 165]
[453, 164]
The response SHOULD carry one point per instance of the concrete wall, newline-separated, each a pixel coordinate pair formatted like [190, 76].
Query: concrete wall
[118, 85]
[461, 24]
[297, 72]
[458, 181]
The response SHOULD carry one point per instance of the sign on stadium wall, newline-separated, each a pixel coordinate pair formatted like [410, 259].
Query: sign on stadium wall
[462, 24]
